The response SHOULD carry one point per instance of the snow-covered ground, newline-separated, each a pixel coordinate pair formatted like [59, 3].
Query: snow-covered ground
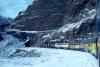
[52, 58]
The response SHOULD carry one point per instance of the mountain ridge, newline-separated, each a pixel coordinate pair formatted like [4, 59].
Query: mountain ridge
[48, 15]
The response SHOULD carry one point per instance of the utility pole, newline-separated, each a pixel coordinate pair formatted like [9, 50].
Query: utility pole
[70, 35]
[71, 41]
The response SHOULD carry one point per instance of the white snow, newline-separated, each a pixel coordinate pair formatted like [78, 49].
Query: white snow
[19, 31]
[26, 31]
[52, 58]
[70, 26]
[47, 36]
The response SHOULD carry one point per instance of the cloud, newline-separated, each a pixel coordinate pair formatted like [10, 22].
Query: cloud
[11, 8]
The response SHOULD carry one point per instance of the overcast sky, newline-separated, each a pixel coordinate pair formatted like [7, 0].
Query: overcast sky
[11, 8]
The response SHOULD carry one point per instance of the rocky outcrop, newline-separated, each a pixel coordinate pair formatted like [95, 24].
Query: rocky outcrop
[87, 27]
[51, 14]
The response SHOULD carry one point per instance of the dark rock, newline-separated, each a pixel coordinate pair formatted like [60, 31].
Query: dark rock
[87, 26]
[1, 38]
[50, 14]
[21, 36]
[27, 44]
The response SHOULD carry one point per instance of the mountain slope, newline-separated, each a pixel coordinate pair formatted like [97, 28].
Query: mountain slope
[59, 17]
[49, 15]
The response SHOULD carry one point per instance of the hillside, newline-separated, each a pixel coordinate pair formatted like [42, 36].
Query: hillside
[49, 15]
[57, 20]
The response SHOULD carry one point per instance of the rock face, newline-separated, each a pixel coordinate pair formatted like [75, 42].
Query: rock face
[51, 14]
[1, 38]
[87, 27]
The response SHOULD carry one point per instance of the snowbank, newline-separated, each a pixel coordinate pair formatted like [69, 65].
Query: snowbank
[52, 58]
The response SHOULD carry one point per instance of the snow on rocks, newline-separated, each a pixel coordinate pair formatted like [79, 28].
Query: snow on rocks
[70, 26]
[9, 45]
[12, 41]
